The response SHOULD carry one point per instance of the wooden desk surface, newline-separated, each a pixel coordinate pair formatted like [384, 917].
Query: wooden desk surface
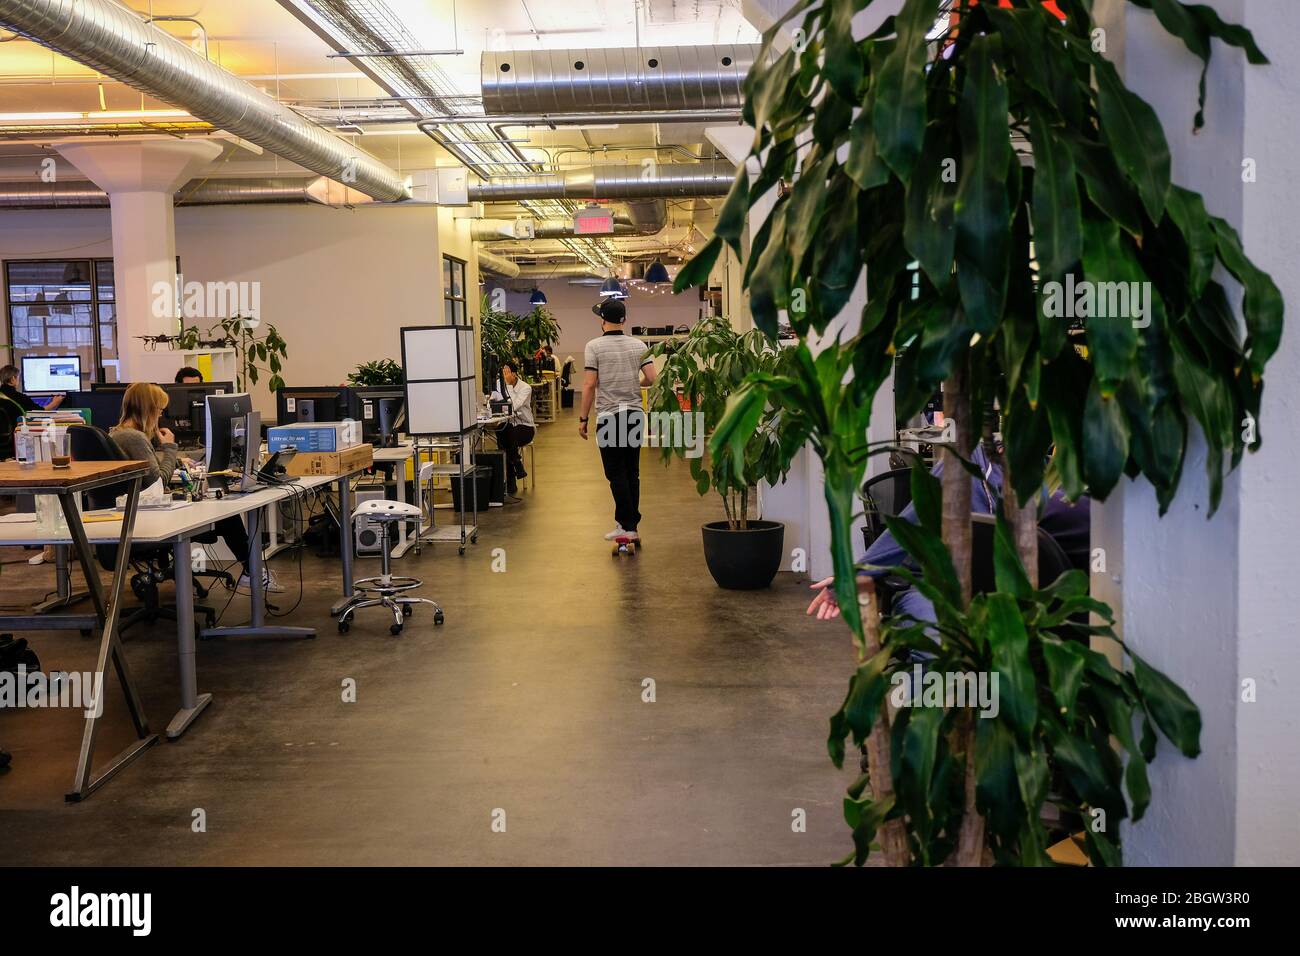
[45, 475]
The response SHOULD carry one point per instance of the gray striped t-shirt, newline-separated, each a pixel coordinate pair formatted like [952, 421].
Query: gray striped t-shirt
[617, 360]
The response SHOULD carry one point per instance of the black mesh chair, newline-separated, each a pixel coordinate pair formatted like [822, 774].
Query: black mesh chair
[10, 416]
[152, 562]
[886, 494]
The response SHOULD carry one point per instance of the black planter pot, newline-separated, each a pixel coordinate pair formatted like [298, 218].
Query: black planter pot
[744, 560]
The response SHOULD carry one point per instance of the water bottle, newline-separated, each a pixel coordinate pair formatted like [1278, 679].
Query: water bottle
[25, 446]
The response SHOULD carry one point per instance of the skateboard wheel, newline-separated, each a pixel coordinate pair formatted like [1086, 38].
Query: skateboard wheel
[437, 618]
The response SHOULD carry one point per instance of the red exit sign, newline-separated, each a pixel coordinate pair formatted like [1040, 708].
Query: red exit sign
[593, 222]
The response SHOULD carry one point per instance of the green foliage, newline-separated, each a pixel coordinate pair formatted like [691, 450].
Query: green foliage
[381, 372]
[507, 337]
[1007, 160]
[256, 352]
[1064, 730]
[708, 365]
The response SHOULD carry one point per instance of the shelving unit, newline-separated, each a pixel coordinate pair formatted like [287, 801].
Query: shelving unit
[546, 399]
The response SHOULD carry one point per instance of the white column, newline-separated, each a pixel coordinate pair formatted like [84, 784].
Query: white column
[141, 177]
[1205, 600]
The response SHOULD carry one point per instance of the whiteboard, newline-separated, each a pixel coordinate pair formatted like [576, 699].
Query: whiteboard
[441, 397]
[436, 353]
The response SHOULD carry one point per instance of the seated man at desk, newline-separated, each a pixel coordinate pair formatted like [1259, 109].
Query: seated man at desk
[519, 431]
[9, 389]
[188, 376]
[139, 436]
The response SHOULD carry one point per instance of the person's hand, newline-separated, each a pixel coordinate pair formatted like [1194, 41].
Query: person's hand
[582, 430]
[825, 606]
[166, 437]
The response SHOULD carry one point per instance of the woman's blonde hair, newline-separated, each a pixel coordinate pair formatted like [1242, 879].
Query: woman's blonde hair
[142, 403]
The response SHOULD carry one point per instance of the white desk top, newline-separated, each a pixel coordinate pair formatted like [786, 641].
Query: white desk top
[153, 527]
[400, 453]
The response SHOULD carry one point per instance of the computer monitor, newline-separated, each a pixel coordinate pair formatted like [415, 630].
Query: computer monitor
[313, 403]
[232, 439]
[105, 406]
[186, 413]
[51, 373]
[383, 413]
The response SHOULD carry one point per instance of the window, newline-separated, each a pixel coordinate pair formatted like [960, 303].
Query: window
[453, 290]
[63, 307]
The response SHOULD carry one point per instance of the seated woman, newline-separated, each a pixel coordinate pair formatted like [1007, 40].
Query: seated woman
[139, 436]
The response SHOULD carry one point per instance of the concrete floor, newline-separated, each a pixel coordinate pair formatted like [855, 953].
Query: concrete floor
[528, 701]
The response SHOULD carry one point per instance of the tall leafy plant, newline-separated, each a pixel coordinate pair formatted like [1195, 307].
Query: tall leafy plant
[1002, 154]
[707, 365]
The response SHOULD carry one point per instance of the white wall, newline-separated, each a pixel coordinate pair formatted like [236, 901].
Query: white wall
[1204, 599]
[336, 283]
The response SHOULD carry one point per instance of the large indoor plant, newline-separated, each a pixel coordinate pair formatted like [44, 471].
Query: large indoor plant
[903, 145]
[686, 402]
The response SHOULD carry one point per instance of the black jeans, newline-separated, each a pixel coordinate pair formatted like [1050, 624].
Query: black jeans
[510, 439]
[620, 441]
[234, 533]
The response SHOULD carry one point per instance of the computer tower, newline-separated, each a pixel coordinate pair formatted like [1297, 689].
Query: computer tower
[366, 539]
[495, 462]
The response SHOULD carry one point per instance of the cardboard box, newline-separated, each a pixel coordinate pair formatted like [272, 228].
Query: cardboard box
[313, 436]
[307, 464]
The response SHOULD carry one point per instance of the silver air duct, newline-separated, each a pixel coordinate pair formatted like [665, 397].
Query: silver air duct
[654, 181]
[503, 230]
[648, 215]
[645, 78]
[559, 271]
[110, 38]
[491, 262]
[198, 192]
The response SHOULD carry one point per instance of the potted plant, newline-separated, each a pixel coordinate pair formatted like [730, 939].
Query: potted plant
[377, 373]
[251, 349]
[686, 402]
[902, 144]
[507, 337]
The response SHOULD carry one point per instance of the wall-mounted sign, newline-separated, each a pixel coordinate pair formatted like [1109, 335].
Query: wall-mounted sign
[593, 221]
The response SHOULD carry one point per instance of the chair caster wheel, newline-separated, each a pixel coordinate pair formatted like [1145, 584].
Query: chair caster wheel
[407, 610]
[437, 617]
[395, 629]
[473, 539]
[344, 627]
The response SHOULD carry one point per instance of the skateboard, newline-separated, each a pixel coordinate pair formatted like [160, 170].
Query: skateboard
[625, 545]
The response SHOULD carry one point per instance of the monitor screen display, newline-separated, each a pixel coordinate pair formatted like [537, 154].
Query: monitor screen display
[51, 373]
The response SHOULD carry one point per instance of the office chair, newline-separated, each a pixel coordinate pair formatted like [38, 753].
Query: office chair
[885, 494]
[387, 587]
[1052, 563]
[152, 562]
[10, 416]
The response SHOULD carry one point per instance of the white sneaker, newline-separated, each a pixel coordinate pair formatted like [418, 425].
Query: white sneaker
[616, 533]
[272, 584]
[36, 559]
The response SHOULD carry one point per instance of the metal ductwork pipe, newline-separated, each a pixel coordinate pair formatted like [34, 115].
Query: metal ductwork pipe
[503, 230]
[631, 78]
[559, 271]
[491, 262]
[657, 181]
[198, 192]
[108, 37]
[648, 215]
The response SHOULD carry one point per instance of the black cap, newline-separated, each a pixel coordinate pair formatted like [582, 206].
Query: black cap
[611, 310]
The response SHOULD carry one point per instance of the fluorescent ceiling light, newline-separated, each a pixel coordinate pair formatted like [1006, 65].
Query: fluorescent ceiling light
[97, 115]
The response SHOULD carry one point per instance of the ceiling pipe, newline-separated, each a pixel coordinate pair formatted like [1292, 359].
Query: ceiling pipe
[559, 270]
[112, 39]
[67, 194]
[630, 78]
[498, 265]
[634, 181]
[503, 230]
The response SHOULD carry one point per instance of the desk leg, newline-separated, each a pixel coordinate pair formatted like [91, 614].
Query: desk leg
[257, 626]
[345, 544]
[108, 608]
[63, 581]
[192, 702]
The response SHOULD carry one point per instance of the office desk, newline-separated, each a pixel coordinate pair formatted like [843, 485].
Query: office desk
[68, 484]
[177, 527]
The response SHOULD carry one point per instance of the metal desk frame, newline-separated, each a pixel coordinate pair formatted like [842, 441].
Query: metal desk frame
[107, 610]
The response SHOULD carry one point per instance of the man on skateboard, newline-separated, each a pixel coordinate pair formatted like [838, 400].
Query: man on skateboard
[616, 370]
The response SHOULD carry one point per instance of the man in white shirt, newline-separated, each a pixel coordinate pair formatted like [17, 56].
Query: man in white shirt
[519, 431]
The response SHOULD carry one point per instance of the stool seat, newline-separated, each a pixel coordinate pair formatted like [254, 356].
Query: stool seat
[383, 509]
[386, 590]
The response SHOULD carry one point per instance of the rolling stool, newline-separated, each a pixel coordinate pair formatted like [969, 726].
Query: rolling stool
[387, 589]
